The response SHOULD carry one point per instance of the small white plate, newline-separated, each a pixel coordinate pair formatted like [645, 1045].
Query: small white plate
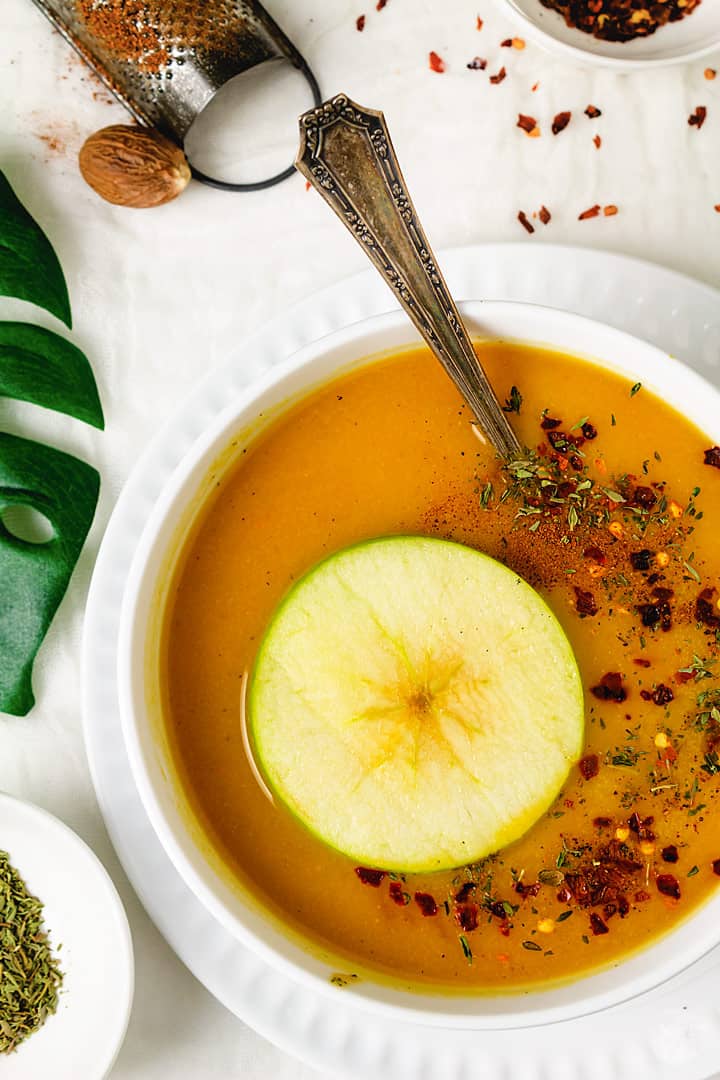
[89, 932]
[696, 35]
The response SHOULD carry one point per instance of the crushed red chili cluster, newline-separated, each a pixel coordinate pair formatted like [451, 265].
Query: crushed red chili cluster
[621, 20]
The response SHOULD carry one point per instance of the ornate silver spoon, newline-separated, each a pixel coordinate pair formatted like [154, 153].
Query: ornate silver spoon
[346, 153]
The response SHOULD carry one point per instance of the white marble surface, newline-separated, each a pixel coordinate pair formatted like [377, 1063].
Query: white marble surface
[160, 295]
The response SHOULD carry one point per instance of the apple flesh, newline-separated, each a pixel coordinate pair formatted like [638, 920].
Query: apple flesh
[415, 704]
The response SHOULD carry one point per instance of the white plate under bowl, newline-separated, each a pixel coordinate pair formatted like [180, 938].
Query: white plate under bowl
[688, 39]
[671, 1031]
[88, 930]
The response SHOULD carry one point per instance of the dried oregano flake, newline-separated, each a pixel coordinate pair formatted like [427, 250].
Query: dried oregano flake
[29, 973]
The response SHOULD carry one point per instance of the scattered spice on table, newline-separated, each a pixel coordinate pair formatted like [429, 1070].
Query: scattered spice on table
[621, 20]
[597, 141]
[610, 211]
[360, 23]
[436, 63]
[526, 224]
[544, 215]
[29, 974]
[710, 74]
[560, 122]
[477, 64]
[495, 79]
[528, 124]
[592, 112]
[697, 118]
[479, 23]
[380, 5]
[592, 212]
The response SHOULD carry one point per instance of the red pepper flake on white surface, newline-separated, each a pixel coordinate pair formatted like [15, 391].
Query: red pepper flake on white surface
[528, 125]
[477, 64]
[545, 215]
[526, 224]
[710, 74]
[594, 211]
[380, 5]
[560, 122]
[598, 141]
[436, 63]
[697, 118]
[534, 87]
[506, 44]
[360, 23]
[610, 210]
[479, 23]
[495, 79]
[592, 112]
[717, 209]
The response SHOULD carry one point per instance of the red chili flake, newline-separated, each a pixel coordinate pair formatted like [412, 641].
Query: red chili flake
[479, 24]
[642, 662]
[564, 895]
[589, 766]
[534, 87]
[640, 560]
[595, 554]
[466, 916]
[594, 211]
[668, 885]
[705, 610]
[710, 74]
[598, 141]
[426, 903]
[641, 896]
[436, 63]
[602, 822]
[609, 910]
[697, 118]
[308, 185]
[716, 867]
[597, 925]
[585, 603]
[548, 423]
[465, 892]
[623, 906]
[644, 497]
[592, 112]
[610, 688]
[662, 694]
[527, 123]
[523, 219]
[589, 431]
[398, 894]
[360, 23]
[610, 210]
[495, 79]
[717, 208]
[670, 854]
[507, 43]
[477, 64]
[544, 215]
[560, 122]
[370, 877]
[380, 5]
[527, 890]
[497, 908]
[683, 676]
[712, 456]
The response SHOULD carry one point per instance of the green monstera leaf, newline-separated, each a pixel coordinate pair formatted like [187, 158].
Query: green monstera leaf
[38, 366]
[35, 576]
[29, 267]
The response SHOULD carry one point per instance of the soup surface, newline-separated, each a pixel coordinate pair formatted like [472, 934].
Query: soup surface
[612, 517]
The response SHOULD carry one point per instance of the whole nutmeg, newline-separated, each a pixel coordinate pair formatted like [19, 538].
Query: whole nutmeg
[133, 166]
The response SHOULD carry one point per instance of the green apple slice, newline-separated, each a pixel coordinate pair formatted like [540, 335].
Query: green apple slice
[415, 703]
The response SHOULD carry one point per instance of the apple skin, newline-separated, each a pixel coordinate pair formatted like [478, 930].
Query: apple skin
[415, 704]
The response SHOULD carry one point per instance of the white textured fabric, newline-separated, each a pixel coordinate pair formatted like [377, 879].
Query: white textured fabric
[160, 295]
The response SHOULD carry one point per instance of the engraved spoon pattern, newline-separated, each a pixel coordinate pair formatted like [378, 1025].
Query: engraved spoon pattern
[346, 154]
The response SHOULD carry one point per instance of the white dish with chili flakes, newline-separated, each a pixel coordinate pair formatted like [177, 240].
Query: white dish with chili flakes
[689, 38]
[154, 773]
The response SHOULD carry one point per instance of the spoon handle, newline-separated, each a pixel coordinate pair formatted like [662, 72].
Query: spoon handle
[346, 154]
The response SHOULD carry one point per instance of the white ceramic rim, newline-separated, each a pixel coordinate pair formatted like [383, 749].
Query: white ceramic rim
[45, 822]
[584, 55]
[672, 380]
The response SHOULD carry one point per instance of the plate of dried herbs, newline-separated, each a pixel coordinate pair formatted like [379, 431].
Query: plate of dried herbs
[66, 959]
[621, 33]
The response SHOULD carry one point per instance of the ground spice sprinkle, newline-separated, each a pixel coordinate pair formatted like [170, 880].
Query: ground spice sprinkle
[29, 974]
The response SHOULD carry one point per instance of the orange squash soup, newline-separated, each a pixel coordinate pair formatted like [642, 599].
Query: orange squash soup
[611, 515]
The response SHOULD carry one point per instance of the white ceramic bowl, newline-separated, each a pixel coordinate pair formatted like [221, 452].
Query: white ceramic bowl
[688, 39]
[140, 617]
